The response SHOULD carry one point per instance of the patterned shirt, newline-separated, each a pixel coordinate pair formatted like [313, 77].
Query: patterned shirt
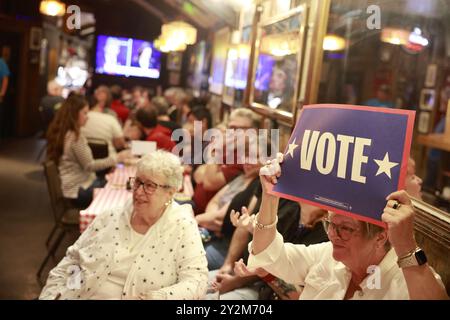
[77, 166]
[169, 261]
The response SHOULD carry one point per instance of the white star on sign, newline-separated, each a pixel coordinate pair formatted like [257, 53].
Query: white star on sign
[292, 147]
[385, 166]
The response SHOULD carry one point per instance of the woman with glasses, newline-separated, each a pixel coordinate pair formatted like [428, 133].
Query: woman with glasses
[361, 261]
[149, 249]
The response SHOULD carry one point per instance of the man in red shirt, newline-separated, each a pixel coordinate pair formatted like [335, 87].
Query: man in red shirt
[147, 119]
[117, 106]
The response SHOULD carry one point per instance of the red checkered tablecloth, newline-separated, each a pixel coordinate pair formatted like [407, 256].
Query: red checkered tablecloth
[113, 195]
[119, 178]
[105, 198]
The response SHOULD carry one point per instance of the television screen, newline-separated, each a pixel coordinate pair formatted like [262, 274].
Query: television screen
[127, 57]
[236, 70]
[264, 72]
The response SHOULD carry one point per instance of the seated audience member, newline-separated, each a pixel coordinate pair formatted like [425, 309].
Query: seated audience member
[102, 101]
[104, 126]
[162, 107]
[339, 269]
[50, 103]
[137, 98]
[202, 116]
[310, 231]
[298, 223]
[240, 192]
[179, 105]
[127, 98]
[146, 118]
[236, 193]
[209, 178]
[69, 149]
[382, 99]
[117, 106]
[148, 249]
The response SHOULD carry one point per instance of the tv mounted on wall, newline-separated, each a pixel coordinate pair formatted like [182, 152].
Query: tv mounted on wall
[127, 57]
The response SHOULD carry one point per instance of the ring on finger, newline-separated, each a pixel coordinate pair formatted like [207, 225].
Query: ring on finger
[396, 205]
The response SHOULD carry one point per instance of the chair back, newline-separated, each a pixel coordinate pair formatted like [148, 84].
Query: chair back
[57, 200]
[99, 148]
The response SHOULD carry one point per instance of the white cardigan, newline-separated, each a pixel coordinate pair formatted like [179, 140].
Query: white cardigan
[171, 261]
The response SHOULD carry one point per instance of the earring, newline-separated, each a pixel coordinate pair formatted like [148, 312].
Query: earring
[168, 202]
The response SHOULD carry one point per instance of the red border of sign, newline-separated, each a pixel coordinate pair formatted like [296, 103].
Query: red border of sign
[403, 169]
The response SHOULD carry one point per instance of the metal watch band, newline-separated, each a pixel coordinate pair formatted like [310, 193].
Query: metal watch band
[409, 260]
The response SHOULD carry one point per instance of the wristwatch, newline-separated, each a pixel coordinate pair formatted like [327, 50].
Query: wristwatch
[416, 257]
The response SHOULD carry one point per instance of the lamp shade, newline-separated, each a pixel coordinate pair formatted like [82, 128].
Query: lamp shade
[166, 45]
[333, 42]
[181, 31]
[52, 8]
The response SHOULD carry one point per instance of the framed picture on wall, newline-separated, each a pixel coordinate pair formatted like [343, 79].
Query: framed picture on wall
[277, 65]
[219, 58]
[423, 122]
[427, 99]
[174, 60]
[430, 78]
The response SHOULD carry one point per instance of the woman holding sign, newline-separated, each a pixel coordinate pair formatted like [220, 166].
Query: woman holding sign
[361, 261]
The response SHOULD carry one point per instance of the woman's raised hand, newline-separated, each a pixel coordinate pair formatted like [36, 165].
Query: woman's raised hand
[270, 172]
[399, 216]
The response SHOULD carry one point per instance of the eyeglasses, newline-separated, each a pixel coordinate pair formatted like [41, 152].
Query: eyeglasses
[149, 186]
[344, 232]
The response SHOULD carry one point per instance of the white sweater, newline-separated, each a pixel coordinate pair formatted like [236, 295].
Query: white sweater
[171, 262]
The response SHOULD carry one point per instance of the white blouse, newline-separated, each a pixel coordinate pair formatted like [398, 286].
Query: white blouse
[168, 262]
[113, 286]
[322, 277]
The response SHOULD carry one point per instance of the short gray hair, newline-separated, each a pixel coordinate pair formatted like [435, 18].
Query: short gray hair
[161, 104]
[246, 113]
[165, 163]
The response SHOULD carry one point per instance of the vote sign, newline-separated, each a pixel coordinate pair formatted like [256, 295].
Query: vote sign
[347, 159]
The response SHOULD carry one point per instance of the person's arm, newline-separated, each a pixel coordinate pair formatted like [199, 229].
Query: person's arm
[226, 282]
[420, 280]
[83, 154]
[267, 215]
[119, 143]
[66, 274]
[118, 136]
[5, 83]
[236, 249]
[213, 204]
[212, 218]
[213, 178]
[283, 289]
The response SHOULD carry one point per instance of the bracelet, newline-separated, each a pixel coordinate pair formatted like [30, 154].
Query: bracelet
[261, 226]
[268, 278]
